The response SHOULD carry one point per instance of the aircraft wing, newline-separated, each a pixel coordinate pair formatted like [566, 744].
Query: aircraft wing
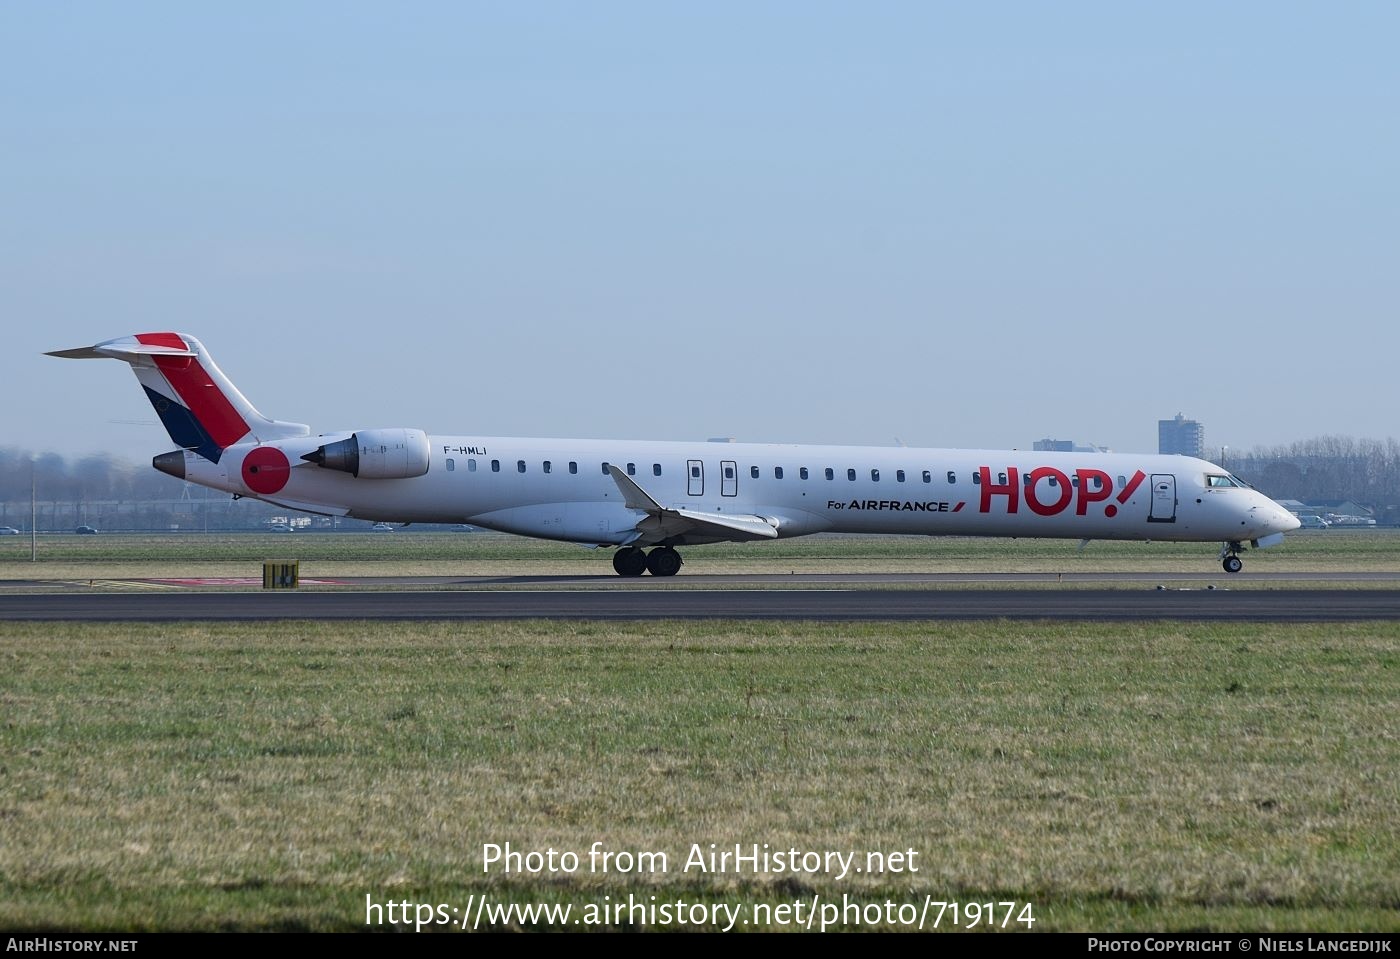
[663, 523]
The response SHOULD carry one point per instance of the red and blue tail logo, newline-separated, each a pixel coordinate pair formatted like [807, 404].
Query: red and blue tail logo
[200, 409]
[196, 414]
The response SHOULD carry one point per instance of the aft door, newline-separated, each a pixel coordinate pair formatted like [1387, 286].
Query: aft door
[1163, 499]
[695, 477]
[728, 478]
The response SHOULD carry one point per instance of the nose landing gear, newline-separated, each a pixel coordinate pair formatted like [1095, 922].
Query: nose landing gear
[662, 561]
[1230, 557]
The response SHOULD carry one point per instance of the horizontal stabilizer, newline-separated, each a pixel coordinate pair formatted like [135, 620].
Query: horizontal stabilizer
[117, 350]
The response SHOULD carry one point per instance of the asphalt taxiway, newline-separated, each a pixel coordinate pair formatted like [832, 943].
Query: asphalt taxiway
[1156, 596]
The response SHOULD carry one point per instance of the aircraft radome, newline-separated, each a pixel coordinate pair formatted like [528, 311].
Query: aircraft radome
[646, 498]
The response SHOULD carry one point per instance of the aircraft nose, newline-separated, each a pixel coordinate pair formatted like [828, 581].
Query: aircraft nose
[1267, 518]
[1275, 518]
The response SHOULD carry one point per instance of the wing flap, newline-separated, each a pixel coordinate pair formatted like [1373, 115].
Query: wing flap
[751, 527]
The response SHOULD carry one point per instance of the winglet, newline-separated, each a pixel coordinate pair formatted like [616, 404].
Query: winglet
[634, 496]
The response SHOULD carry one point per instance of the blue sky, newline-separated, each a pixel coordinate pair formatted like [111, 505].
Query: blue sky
[956, 224]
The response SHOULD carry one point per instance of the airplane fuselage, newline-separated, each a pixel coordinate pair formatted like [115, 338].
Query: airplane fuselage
[561, 489]
[641, 495]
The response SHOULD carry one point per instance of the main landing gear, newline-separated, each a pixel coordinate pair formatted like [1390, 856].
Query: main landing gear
[1230, 557]
[661, 561]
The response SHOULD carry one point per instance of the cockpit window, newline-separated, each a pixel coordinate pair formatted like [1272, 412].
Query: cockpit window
[1221, 481]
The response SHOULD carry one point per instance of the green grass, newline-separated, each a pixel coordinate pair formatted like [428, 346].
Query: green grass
[1159, 776]
[477, 554]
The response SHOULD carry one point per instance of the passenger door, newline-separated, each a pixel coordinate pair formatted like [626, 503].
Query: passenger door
[729, 478]
[1163, 499]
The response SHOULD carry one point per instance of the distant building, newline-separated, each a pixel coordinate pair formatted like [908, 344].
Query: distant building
[1067, 446]
[1179, 435]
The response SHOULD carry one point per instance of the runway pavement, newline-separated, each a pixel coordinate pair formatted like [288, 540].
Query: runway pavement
[640, 603]
[718, 580]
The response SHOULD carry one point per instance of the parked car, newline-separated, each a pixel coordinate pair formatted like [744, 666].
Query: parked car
[8, 531]
[1313, 522]
[85, 531]
[382, 528]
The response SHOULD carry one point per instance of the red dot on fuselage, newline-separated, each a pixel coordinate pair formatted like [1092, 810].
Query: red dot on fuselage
[266, 470]
[1110, 510]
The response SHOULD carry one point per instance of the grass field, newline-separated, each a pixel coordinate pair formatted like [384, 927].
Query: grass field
[1161, 776]
[486, 554]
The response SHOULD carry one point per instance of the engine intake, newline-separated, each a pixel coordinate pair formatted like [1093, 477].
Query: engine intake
[376, 454]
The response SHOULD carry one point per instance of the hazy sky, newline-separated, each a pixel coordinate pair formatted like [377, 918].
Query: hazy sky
[956, 224]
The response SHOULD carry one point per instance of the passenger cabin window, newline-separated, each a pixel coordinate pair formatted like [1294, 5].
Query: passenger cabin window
[875, 476]
[976, 478]
[631, 469]
[753, 471]
[830, 473]
[471, 466]
[520, 466]
[655, 469]
[952, 477]
[851, 475]
[777, 472]
[1001, 478]
[928, 477]
[729, 472]
[495, 466]
[605, 468]
[802, 473]
[451, 464]
[899, 476]
[1122, 482]
[548, 466]
[695, 471]
[573, 466]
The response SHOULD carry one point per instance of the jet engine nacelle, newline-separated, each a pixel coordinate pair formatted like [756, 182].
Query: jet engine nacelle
[376, 454]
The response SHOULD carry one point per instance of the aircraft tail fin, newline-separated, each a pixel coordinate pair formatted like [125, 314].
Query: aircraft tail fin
[198, 405]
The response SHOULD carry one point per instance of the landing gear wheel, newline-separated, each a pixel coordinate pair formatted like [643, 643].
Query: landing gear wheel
[1232, 563]
[630, 561]
[664, 561]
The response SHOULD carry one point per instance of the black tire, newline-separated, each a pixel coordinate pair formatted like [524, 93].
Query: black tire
[630, 561]
[664, 561]
[1232, 564]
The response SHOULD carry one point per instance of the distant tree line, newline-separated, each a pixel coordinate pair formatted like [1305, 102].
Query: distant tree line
[109, 493]
[1326, 468]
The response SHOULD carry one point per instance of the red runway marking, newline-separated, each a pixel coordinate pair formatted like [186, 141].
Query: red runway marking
[235, 581]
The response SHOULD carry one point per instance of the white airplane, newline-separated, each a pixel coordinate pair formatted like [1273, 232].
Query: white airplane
[641, 495]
